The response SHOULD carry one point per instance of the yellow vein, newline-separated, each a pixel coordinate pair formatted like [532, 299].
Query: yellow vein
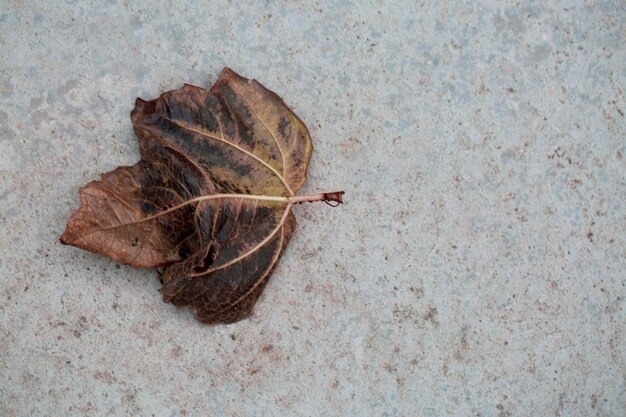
[251, 251]
[197, 200]
[186, 203]
[258, 281]
[280, 149]
[188, 158]
[239, 148]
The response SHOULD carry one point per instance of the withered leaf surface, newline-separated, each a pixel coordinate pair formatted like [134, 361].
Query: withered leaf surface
[210, 200]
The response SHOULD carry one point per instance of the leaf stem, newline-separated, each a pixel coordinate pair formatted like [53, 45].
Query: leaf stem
[332, 199]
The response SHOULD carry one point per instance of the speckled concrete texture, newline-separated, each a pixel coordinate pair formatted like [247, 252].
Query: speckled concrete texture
[477, 269]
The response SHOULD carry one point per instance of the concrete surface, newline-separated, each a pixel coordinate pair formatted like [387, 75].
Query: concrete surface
[478, 268]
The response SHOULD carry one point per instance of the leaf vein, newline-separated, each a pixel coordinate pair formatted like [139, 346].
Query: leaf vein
[280, 149]
[205, 133]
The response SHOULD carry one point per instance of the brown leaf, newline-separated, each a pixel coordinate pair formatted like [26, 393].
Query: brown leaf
[210, 199]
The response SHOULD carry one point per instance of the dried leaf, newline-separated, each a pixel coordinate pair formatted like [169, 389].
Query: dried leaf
[210, 199]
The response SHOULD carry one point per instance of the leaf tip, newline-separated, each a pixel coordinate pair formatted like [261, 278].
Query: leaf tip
[64, 239]
[227, 72]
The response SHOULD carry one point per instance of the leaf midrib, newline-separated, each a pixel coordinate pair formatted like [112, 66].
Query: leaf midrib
[193, 201]
[251, 251]
[280, 149]
[207, 134]
[259, 280]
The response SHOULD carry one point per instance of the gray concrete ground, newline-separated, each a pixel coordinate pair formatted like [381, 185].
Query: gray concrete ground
[477, 269]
